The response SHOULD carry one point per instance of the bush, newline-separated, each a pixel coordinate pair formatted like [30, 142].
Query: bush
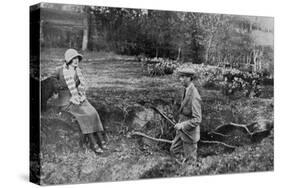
[230, 81]
[210, 77]
[248, 83]
[160, 66]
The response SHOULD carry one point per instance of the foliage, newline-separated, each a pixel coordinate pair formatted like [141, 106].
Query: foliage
[248, 83]
[254, 158]
[230, 81]
[64, 161]
[186, 36]
[160, 67]
[207, 76]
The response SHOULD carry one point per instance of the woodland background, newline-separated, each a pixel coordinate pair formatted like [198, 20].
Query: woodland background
[244, 42]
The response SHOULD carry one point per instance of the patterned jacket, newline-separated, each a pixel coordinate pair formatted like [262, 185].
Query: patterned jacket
[64, 93]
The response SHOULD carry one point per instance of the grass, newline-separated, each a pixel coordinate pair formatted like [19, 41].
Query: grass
[117, 87]
[58, 53]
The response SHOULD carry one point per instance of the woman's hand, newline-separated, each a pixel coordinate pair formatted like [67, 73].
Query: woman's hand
[75, 100]
[82, 98]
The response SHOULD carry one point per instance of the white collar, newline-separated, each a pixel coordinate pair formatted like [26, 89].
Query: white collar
[190, 85]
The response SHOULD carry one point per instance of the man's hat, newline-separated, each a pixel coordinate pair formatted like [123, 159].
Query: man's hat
[186, 72]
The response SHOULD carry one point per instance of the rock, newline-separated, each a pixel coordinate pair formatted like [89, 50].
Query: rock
[263, 125]
[88, 166]
[59, 137]
[143, 116]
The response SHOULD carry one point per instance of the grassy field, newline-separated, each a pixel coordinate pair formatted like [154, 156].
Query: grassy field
[119, 89]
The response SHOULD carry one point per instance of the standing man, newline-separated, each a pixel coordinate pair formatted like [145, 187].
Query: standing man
[190, 117]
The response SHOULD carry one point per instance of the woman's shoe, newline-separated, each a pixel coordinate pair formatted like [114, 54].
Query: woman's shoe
[97, 149]
[104, 146]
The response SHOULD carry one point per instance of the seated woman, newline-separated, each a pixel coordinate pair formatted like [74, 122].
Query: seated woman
[72, 98]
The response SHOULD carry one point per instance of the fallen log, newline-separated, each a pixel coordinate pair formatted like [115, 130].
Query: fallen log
[216, 133]
[239, 126]
[170, 141]
[251, 129]
[151, 138]
[217, 142]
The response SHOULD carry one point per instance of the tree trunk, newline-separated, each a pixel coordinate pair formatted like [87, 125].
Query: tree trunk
[93, 32]
[255, 59]
[208, 49]
[179, 53]
[156, 52]
[85, 32]
[248, 59]
[250, 27]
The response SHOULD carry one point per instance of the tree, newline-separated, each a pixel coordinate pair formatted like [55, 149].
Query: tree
[211, 24]
[195, 31]
[157, 28]
[179, 36]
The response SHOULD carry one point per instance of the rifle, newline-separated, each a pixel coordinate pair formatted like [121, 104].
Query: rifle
[168, 119]
[163, 115]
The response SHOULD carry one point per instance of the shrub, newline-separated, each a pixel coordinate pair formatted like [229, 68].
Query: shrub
[230, 81]
[160, 66]
[248, 83]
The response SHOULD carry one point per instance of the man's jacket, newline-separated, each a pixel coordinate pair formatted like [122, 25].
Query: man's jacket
[190, 115]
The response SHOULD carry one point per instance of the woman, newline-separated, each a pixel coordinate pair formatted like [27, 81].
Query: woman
[72, 98]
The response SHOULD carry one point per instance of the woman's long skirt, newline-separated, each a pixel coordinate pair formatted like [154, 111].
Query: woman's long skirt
[87, 117]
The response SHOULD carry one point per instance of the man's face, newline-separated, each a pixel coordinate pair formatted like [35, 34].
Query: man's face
[185, 80]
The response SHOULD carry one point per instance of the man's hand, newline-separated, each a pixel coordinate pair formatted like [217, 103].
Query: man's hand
[75, 100]
[55, 95]
[179, 126]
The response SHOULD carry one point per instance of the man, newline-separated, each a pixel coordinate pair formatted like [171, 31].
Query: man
[190, 117]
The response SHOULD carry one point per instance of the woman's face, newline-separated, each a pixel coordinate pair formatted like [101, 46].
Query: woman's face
[74, 62]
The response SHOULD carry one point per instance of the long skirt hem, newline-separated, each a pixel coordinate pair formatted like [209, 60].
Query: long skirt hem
[87, 117]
